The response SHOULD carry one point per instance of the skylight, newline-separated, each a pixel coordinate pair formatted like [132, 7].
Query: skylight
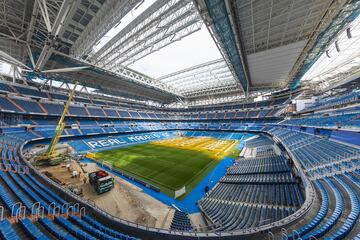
[123, 23]
[6, 70]
[342, 56]
[193, 50]
[213, 75]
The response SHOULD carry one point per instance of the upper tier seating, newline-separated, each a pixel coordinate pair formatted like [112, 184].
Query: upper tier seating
[81, 100]
[332, 101]
[6, 104]
[53, 108]
[5, 87]
[29, 106]
[77, 110]
[264, 109]
[96, 112]
[110, 112]
[56, 108]
[348, 118]
[31, 92]
[59, 96]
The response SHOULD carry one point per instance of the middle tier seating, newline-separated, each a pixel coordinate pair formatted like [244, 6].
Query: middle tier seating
[340, 118]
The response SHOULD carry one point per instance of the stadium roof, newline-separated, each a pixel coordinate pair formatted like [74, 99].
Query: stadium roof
[341, 59]
[215, 75]
[264, 44]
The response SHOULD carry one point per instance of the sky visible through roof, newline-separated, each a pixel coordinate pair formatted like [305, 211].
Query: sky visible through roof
[192, 50]
[199, 48]
[334, 61]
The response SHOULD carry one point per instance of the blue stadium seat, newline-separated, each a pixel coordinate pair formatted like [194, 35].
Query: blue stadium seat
[7, 232]
[74, 230]
[31, 230]
[55, 230]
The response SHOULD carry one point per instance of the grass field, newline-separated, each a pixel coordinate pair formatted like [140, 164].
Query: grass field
[170, 164]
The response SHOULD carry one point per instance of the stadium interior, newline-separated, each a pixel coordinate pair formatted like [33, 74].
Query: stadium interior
[180, 119]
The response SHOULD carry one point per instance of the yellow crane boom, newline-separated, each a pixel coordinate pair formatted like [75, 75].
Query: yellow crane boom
[50, 152]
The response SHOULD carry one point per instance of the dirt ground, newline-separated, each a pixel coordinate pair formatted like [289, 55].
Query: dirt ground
[125, 201]
[63, 173]
[198, 221]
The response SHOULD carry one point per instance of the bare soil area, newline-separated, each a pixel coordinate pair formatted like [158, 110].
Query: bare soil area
[125, 201]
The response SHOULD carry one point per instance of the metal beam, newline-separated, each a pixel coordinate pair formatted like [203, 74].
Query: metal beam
[339, 14]
[218, 20]
[110, 14]
[53, 28]
[202, 79]
[138, 77]
[163, 23]
[12, 19]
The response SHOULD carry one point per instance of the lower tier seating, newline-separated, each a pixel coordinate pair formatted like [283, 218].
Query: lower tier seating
[6, 231]
[331, 166]
[255, 191]
[227, 215]
[298, 233]
[23, 195]
[180, 222]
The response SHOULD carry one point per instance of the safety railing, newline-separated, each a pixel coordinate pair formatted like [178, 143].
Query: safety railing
[86, 204]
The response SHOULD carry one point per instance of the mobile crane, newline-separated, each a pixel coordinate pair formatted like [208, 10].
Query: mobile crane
[51, 156]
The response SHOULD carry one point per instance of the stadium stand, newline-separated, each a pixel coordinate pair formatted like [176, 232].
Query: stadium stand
[205, 113]
[28, 105]
[313, 151]
[261, 189]
[335, 101]
[30, 91]
[240, 192]
[348, 118]
[276, 118]
[53, 108]
[7, 105]
[329, 161]
[23, 192]
[180, 221]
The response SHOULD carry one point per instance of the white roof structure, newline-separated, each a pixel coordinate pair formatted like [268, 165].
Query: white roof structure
[341, 59]
[202, 79]
[264, 44]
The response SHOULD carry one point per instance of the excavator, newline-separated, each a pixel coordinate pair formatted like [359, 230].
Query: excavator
[51, 156]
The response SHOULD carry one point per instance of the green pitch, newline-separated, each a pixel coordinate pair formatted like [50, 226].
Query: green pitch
[164, 167]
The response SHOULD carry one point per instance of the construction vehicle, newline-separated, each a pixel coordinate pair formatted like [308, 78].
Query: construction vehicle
[51, 157]
[101, 181]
